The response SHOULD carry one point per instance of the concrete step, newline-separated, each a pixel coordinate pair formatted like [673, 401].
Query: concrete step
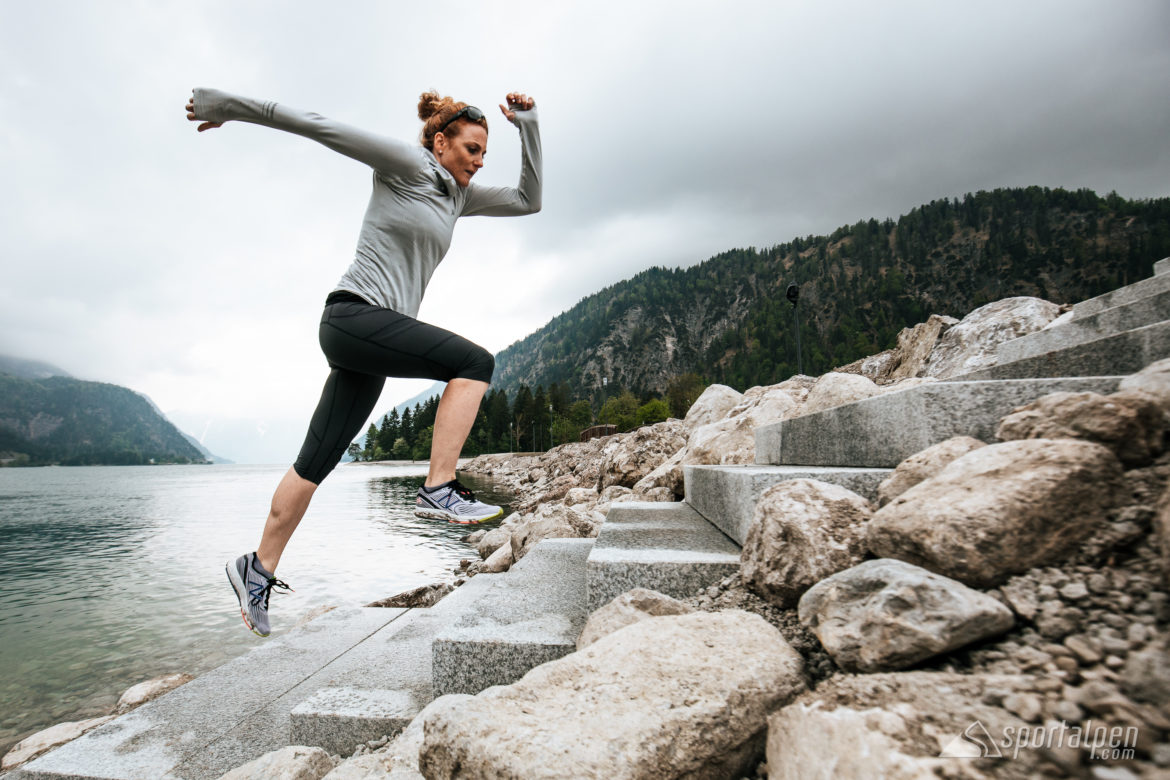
[1123, 295]
[220, 720]
[727, 495]
[882, 431]
[1120, 354]
[530, 615]
[1138, 313]
[667, 547]
[1162, 266]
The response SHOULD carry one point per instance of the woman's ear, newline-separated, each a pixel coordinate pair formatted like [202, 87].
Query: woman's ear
[440, 143]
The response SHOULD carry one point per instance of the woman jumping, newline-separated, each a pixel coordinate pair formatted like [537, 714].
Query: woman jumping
[368, 329]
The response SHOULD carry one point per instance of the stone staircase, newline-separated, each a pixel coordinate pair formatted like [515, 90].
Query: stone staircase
[356, 674]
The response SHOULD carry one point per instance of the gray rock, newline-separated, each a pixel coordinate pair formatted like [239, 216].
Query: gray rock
[1147, 675]
[971, 345]
[421, 597]
[1154, 380]
[924, 465]
[714, 404]
[884, 615]
[628, 458]
[296, 762]
[914, 347]
[676, 696]
[626, 609]
[1000, 510]
[803, 531]
[834, 389]
[1161, 532]
[494, 539]
[551, 521]
[1130, 424]
[499, 561]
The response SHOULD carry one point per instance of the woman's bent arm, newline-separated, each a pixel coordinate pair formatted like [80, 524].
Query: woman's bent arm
[523, 198]
[385, 155]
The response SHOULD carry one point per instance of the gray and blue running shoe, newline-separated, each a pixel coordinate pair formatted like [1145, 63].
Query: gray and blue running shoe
[253, 585]
[454, 503]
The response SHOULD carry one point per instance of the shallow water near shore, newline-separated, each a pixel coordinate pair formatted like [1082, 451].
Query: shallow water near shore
[111, 575]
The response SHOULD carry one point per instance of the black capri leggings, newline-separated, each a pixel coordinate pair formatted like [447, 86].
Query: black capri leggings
[364, 344]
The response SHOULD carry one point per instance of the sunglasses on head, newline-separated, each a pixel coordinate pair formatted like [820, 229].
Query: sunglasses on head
[471, 112]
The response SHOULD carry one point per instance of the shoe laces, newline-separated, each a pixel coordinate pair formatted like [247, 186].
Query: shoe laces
[266, 591]
[462, 491]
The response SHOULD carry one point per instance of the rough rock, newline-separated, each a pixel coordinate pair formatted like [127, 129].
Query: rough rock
[885, 615]
[629, 607]
[628, 458]
[296, 762]
[1153, 380]
[1161, 530]
[140, 694]
[835, 389]
[494, 539]
[423, 596]
[551, 521]
[1131, 424]
[675, 696]
[398, 760]
[499, 561]
[43, 741]
[895, 726]
[1000, 510]
[803, 531]
[1146, 677]
[970, 345]
[923, 465]
[581, 496]
[714, 404]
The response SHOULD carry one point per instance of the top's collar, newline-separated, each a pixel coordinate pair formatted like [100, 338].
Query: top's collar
[443, 177]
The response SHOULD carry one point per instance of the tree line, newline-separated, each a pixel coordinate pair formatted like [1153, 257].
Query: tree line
[530, 420]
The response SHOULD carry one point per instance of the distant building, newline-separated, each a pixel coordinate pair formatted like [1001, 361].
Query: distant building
[597, 431]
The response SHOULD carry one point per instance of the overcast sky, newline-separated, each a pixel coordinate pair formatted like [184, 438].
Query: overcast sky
[193, 267]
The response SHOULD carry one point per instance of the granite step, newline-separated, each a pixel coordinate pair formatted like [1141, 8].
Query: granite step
[1120, 354]
[667, 547]
[1139, 313]
[222, 719]
[530, 615]
[882, 431]
[1123, 295]
[727, 495]
[1162, 266]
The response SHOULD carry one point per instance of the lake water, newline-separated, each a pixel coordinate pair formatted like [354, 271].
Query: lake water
[112, 575]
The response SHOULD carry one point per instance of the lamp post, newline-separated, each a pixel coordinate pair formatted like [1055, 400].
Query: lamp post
[793, 296]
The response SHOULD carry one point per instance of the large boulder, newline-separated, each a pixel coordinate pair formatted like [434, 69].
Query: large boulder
[886, 615]
[1131, 424]
[901, 726]
[45, 740]
[837, 389]
[1153, 380]
[296, 762]
[971, 345]
[923, 465]
[629, 607]
[500, 536]
[1162, 532]
[803, 531]
[1000, 510]
[421, 597]
[551, 521]
[714, 404]
[667, 697]
[628, 458]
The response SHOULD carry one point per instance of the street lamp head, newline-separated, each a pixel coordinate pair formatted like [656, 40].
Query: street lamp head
[793, 293]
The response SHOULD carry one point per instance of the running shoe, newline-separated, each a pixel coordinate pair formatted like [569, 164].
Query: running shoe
[454, 503]
[253, 585]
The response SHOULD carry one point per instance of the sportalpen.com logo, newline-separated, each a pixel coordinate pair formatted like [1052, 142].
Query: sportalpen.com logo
[1101, 741]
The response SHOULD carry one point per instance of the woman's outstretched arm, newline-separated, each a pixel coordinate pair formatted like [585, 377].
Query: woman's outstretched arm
[524, 198]
[385, 155]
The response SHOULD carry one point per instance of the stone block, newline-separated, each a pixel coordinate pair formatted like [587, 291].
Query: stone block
[1162, 266]
[882, 431]
[339, 719]
[1122, 295]
[662, 546]
[530, 615]
[727, 495]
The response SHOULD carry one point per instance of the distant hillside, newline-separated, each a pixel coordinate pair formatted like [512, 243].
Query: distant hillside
[28, 369]
[727, 318]
[74, 422]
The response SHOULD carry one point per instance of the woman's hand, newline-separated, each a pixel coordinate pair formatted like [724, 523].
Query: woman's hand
[517, 101]
[191, 116]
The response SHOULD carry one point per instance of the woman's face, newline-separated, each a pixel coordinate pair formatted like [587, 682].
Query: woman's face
[462, 155]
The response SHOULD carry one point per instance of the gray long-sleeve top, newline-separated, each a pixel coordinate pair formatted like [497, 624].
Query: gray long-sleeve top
[415, 201]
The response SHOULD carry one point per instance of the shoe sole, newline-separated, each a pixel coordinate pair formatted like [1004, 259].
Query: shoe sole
[434, 514]
[238, 586]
